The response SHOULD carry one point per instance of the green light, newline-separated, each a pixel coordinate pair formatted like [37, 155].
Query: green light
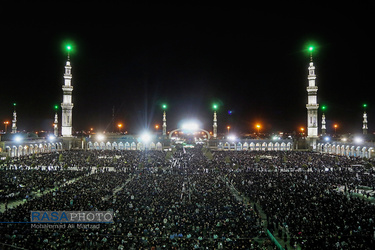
[324, 107]
[56, 107]
[68, 47]
[164, 106]
[311, 48]
[214, 106]
[365, 105]
[14, 104]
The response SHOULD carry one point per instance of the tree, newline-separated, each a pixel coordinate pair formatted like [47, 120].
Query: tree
[61, 158]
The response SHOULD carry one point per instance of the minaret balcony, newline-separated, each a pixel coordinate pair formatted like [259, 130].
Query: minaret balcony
[67, 88]
[312, 106]
[67, 105]
[312, 88]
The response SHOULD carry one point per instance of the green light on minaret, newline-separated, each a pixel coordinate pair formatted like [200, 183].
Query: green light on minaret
[56, 107]
[214, 106]
[14, 104]
[365, 105]
[164, 106]
[311, 48]
[324, 108]
[68, 48]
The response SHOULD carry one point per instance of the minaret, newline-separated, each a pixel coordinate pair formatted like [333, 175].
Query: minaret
[364, 127]
[312, 105]
[14, 121]
[323, 124]
[67, 105]
[164, 120]
[214, 127]
[55, 125]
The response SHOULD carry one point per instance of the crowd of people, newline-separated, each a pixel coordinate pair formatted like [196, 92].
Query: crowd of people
[185, 200]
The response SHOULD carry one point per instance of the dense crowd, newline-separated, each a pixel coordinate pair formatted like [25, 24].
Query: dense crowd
[185, 200]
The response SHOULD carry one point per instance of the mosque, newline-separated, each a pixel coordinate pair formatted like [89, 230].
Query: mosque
[17, 145]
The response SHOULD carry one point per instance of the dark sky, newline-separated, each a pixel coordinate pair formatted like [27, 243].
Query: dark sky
[252, 61]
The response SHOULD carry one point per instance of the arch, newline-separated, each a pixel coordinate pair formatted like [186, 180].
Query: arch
[127, 146]
[245, 146]
[239, 146]
[257, 146]
[140, 146]
[252, 146]
[159, 146]
[89, 145]
[102, 145]
[270, 146]
[152, 146]
[342, 150]
[370, 151]
[232, 146]
[114, 146]
[121, 146]
[264, 146]
[277, 146]
[199, 129]
[133, 146]
[226, 146]
[358, 151]
[283, 146]
[220, 146]
[364, 152]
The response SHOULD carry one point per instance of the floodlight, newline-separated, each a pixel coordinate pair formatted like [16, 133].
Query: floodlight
[190, 126]
[145, 137]
[358, 139]
[51, 137]
[232, 137]
[100, 137]
[18, 138]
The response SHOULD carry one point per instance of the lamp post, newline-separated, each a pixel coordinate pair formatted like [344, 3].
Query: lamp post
[119, 127]
[228, 129]
[335, 126]
[258, 127]
[6, 125]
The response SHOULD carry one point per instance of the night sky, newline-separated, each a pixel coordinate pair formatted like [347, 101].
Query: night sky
[251, 61]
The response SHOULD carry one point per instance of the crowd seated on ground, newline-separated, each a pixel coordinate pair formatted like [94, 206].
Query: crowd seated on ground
[188, 201]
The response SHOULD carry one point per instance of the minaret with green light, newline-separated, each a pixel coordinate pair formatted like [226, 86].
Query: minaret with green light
[312, 104]
[56, 122]
[67, 105]
[324, 129]
[364, 127]
[214, 126]
[164, 106]
[14, 121]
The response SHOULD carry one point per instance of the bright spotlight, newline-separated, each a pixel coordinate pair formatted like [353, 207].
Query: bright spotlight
[145, 137]
[231, 137]
[18, 138]
[51, 137]
[326, 138]
[190, 126]
[100, 137]
[358, 140]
